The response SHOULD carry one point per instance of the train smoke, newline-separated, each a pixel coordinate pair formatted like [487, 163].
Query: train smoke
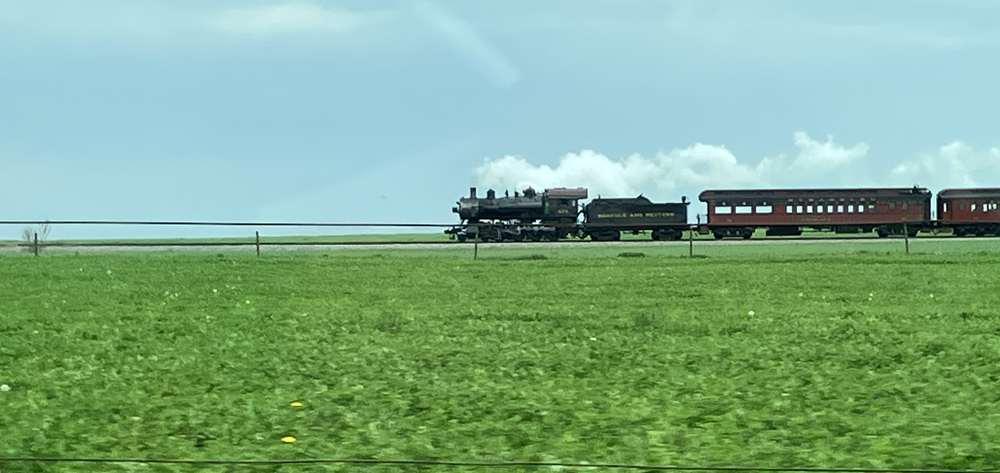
[697, 167]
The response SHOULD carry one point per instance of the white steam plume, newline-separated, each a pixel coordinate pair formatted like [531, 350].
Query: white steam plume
[690, 170]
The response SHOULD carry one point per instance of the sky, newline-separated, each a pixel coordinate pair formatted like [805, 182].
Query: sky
[388, 111]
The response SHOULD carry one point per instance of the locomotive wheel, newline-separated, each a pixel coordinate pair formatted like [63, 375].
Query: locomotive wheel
[717, 235]
[746, 235]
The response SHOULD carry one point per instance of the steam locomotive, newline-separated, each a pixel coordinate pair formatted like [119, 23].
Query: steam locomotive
[555, 214]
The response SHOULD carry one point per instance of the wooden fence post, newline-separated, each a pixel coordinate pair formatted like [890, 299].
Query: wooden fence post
[36, 243]
[906, 237]
[691, 243]
[475, 250]
[258, 242]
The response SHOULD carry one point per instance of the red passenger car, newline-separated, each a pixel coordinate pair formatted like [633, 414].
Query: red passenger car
[788, 211]
[970, 211]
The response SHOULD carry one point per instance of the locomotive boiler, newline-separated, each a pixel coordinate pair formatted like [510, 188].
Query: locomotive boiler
[549, 215]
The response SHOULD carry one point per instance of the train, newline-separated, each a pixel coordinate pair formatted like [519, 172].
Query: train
[556, 213]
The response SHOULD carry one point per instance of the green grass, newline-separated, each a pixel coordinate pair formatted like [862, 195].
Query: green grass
[846, 361]
[725, 248]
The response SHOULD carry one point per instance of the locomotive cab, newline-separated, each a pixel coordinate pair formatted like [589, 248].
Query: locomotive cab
[562, 204]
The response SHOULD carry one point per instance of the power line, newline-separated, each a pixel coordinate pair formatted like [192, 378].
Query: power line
[224, 243]
[484, 464]
[220, 224]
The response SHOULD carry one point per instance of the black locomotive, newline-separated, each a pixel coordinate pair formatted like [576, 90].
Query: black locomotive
[555, 214]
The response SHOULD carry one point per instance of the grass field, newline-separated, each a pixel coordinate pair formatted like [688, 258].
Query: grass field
[849, 355]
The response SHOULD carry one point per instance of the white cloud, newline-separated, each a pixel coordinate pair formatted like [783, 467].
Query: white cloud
[169, 24]
[904, 169]
[587, 168]
[816, 158]
[690, 169]
[294, 17]
[955, 164]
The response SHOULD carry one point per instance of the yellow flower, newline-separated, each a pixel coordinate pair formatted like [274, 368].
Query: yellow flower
[288, 439]
[297, 404]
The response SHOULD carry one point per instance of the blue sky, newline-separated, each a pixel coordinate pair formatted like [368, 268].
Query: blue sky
[389, 111]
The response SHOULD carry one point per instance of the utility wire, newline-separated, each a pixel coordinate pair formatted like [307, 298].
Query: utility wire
[485, 464]
[220, 224]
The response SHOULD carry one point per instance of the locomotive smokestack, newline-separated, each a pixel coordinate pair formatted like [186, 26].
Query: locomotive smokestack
[472, 192]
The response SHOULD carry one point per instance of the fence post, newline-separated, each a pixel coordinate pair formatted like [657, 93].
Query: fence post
[691, 242]
[36, 243]
[475, 250]
[258, 242]
[906, 237]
